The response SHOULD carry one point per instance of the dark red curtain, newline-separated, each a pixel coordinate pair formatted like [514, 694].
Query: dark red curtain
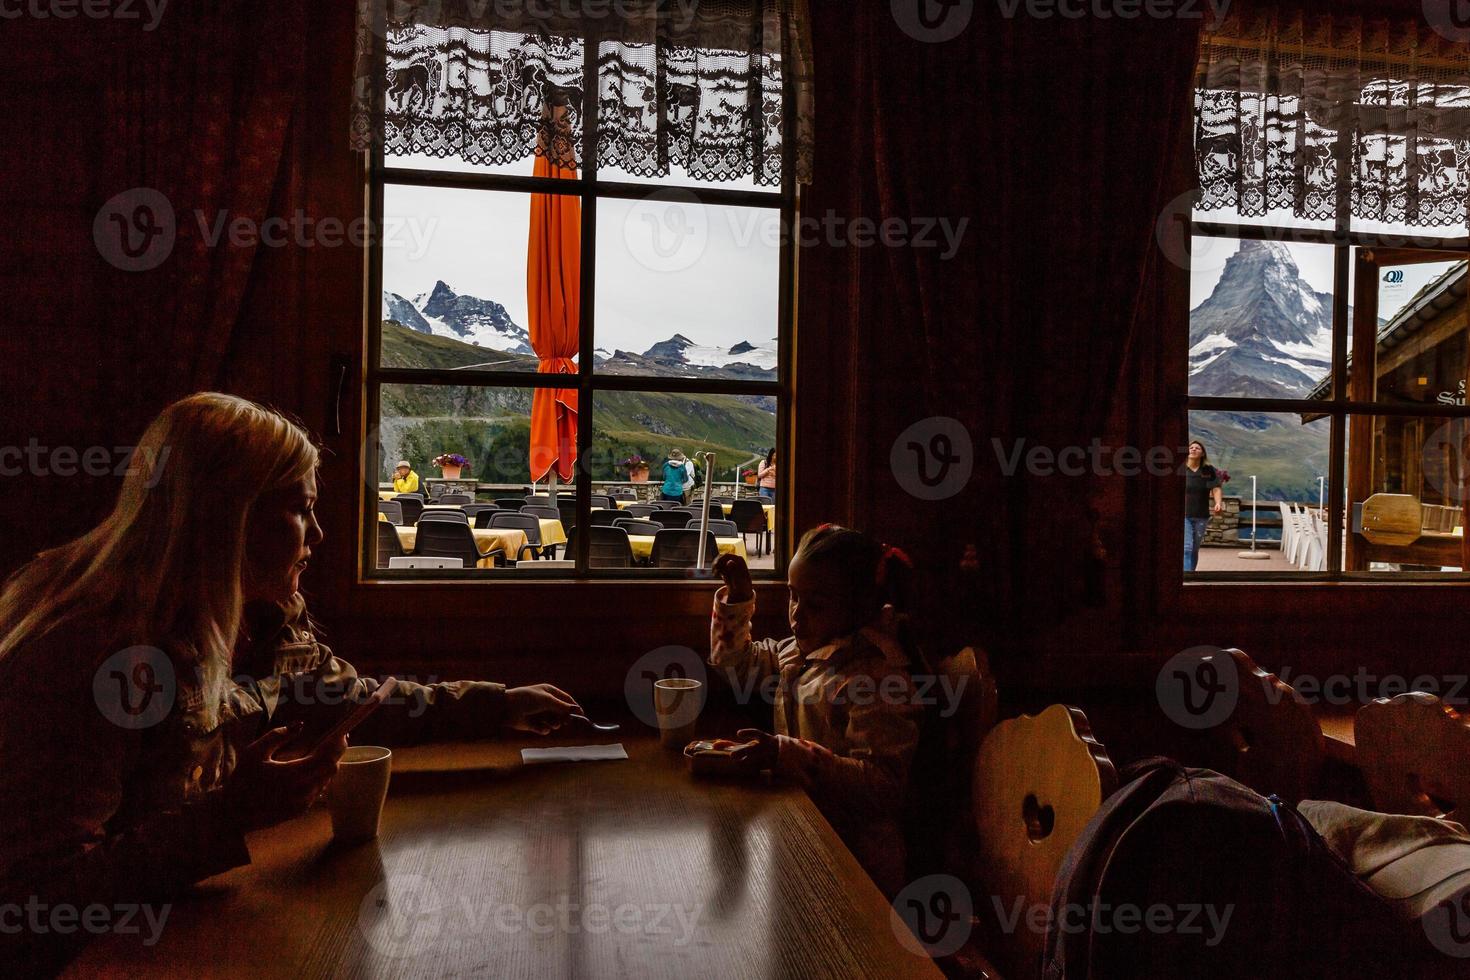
[1053, 138]
[179, 129]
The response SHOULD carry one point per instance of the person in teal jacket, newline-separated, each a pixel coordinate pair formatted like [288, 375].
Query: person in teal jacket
[676, 477]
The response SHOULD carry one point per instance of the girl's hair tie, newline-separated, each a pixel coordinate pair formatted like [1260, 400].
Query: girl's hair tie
[889, 553]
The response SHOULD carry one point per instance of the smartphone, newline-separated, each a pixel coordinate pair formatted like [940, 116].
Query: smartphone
[359, 713]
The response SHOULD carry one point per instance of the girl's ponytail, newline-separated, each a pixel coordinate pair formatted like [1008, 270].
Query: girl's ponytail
[874, 575]
[893, 577]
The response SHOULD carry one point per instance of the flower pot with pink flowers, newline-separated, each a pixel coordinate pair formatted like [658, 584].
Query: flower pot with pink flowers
[451, 465]
[637, 468]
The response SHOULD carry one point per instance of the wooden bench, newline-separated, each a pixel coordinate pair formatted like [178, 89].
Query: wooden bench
[1038, 780]
[1414, 751]
[1271, 742]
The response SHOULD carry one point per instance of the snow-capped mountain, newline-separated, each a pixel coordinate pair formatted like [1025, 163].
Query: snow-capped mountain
[485, 323]
[469, 319]
[679, 349]
[397, 308]
[1263, 332]
[445, 313]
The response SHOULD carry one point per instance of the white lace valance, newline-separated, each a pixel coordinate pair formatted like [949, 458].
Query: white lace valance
[699, 85]
[1277, 91]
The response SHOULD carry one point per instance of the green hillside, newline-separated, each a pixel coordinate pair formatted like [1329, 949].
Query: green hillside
[405, 348]
[1285, 456]
[491, 426]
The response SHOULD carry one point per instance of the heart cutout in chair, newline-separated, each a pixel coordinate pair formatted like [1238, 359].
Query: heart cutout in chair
[1039, 819]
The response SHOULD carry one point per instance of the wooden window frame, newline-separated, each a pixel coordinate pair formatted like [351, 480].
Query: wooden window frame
[590, 189]
[1350, 413]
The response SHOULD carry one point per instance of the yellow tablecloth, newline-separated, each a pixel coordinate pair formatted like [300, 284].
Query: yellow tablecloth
[643, 546]
[552, 532]
[488, 539]
[770, 509]
[386, 495]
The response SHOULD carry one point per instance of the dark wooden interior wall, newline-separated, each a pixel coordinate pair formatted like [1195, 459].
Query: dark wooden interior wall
[887, 338]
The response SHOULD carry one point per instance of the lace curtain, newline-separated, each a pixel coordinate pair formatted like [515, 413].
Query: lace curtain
[698, 85]
[1290, 105]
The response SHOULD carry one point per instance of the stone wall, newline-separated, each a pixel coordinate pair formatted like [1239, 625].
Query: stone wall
[1224, 529]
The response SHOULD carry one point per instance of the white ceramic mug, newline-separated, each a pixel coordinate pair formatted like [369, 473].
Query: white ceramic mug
[355, 798]
[677, 701]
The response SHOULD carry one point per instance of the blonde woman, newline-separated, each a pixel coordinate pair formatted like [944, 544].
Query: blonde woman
[150, 669]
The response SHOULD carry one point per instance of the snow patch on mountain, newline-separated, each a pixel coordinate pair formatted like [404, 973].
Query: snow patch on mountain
[1318, 348]
[680, 349]
[1312, 371]
[1214, 342]
[442, 312]
[1209, 359]
[445, 313]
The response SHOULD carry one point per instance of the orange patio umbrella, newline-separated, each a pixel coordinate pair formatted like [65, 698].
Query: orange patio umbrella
[553, 289]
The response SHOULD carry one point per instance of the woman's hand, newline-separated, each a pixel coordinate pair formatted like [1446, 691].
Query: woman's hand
[758, 756]
[736, 575]
[262, 792]
[538, 708]
[1219, 508]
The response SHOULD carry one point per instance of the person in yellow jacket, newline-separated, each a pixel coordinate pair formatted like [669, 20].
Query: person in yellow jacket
[405, 480]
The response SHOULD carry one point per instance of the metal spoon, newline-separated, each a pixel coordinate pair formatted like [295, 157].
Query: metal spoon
[594, 725]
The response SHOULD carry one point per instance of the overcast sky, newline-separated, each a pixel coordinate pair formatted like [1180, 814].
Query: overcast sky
[1315, 265]
[664, 267]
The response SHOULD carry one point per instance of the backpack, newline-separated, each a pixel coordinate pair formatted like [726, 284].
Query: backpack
[1238, 885]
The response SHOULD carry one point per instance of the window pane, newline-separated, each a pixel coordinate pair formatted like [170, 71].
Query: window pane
[687, 106]
[686, 290]
[739, 429]
[1260, 321]
[1421, 334]
[454, 279]
[1407, 492]
[1288, 457]
[490, 428]
[523, 167]
[1279, 218]
[679, 177]
[472, 101]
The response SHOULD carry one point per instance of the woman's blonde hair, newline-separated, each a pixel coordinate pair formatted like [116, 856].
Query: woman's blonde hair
[164, 567]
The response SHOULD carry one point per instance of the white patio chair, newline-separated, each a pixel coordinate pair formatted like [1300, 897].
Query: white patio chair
[420, 561]
[1288, 530]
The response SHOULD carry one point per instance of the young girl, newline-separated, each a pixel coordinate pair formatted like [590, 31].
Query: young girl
[846, 714]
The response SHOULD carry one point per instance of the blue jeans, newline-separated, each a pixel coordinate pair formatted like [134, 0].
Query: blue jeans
[1194, 536]
[768, 493]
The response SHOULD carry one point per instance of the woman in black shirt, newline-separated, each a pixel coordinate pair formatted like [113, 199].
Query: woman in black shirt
[1202, 497]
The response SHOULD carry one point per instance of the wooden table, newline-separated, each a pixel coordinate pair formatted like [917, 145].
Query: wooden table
[488, 868]
[551, 530]
[642, 545]
[1338, 738]
[770, 510]
[487, 539]
[1440, 548]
